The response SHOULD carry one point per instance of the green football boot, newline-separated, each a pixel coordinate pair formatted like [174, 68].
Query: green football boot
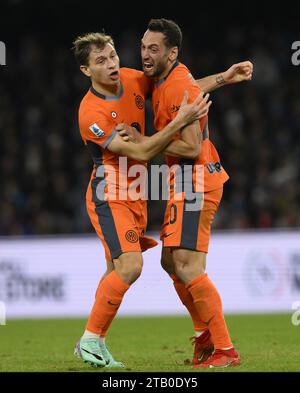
[88, 349]
[110, 361]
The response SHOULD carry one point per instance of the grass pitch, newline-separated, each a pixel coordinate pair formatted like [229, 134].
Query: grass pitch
[265, 342]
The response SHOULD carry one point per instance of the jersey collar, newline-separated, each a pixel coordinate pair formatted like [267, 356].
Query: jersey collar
[160, 81]
[107, 98]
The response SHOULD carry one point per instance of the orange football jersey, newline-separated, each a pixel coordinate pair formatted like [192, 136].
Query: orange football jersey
[98, 116]
[166, 99]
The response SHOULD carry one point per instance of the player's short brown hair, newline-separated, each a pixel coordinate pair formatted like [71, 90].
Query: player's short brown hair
[83, 45]
[170, 29]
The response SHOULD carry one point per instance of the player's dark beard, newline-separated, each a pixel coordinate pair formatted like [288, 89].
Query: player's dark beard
[158, 70]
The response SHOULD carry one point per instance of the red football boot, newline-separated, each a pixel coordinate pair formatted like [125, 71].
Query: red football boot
[203, 347]
[221, 358]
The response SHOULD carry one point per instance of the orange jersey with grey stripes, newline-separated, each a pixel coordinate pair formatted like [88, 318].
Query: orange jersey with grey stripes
[98, 116]
[166, 99]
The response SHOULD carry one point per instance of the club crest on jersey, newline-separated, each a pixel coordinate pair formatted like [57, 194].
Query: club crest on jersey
[97, 130]
[139, 102]
[131, 236]
[113, 114]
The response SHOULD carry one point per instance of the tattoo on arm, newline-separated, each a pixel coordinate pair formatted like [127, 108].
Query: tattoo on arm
[220, 80]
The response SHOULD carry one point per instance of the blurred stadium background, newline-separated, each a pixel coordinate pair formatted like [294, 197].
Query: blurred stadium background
[50, 259]
[44, 168]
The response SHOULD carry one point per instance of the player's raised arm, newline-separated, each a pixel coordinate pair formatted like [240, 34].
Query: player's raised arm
[236, 73]
[149, 147]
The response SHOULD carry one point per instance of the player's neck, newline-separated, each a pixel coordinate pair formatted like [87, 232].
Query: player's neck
[107, 90]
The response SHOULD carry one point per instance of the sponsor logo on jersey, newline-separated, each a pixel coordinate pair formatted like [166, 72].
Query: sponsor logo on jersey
[114, 114]
[175, 108]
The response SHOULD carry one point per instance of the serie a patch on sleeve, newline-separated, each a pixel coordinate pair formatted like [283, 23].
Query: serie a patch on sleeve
[97, 130]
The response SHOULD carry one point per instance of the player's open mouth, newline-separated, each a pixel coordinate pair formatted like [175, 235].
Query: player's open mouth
[148, 66]
[114, 75]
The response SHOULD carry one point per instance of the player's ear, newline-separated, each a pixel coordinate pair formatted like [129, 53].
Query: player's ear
[173, 53]
[85, 70]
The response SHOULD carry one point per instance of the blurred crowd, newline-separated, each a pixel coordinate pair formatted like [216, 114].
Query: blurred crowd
[45, 168]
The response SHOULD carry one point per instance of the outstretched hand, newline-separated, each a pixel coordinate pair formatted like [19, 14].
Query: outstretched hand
[195, 110]
[238, 72]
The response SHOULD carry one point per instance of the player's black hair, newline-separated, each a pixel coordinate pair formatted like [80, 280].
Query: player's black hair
[170, 29]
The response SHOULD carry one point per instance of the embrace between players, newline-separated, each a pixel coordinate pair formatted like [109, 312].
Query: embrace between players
[112, 124]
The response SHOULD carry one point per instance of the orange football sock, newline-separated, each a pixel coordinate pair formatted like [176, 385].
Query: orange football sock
[99, 286]
[209, 305]
[109, 296]
[107, 325]
[187, 300]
